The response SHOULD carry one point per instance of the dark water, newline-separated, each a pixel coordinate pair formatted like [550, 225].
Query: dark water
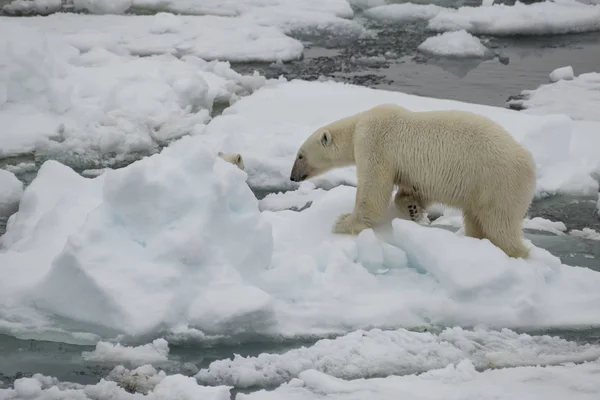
[521, 63]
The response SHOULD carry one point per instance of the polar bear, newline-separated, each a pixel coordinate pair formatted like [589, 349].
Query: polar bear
[235, 159]
[456, 158]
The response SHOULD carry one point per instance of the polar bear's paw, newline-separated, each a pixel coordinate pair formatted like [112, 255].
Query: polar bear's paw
[347, 224]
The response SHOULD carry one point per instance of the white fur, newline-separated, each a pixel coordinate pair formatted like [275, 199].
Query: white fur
[456, 158]
[235, 159]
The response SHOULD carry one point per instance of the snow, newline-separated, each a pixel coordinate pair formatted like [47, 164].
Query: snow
[106, 352]
[10, 192]
[578, 98]
[366, 354]
[562, 73]
[460, 381]
[454, 44]
[40, 387]
[102, 106]
[231, 39]
[268, 140]
[259, 20]
[540, 18]
[585, 233]
[404, 12]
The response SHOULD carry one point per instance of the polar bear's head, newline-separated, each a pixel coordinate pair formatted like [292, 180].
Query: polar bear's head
[316, 156]
[235, 159]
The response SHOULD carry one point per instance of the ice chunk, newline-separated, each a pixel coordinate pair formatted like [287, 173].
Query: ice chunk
[562, 73]
[539, 18]
[585, 233]
[542, 18]
[454, 44]
[106, 352]
[367, 354]
[578, 98]
[10, 192]
[459, 381]
[404, 12]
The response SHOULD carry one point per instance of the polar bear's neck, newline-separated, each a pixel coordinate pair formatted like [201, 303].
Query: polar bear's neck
[342, 132]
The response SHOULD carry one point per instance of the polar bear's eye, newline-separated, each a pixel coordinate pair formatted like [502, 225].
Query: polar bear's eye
[300, 157]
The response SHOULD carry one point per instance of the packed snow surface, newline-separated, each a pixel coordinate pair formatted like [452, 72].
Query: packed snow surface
[541, 18]
[102, 106]
[578, 98]
[454, 44]
[460, 381]
[374, 353]
[11, 190]
[291, 16]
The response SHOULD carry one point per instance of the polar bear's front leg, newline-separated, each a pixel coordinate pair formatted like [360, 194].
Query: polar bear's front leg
[372, 199]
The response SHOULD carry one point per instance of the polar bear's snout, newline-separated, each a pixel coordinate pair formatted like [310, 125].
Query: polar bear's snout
[299, 170]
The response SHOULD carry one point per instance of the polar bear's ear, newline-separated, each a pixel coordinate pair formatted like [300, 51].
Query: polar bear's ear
[220, 153]
[238, 158]
[325, 138]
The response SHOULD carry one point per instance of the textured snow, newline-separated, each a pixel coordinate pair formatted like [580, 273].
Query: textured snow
[102, 107]
[454, 44]
[106, 352]
[578, 98]
[374, 353]
[540, 18]
[458, 381]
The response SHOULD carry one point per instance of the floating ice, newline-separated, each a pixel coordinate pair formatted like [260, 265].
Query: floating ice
[585, 233]
[562, 73]
[231, 39]
[454, 44]
[404, 12]
[269, 127]
[458, 381]
[375, 353]
[102, 107]
[578, 98]
[106, 352]
[40, 387]
[11, 190]
[540, 18]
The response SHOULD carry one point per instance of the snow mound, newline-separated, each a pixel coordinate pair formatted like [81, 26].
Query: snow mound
[377, 353]
[10, 192]
[540, 18]
[40, 387]
[563, 73]
[169, 221]
[578, 98]
[269, 127]
[102, 107]
[458, 381]
[454, 44]
[106, 352]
